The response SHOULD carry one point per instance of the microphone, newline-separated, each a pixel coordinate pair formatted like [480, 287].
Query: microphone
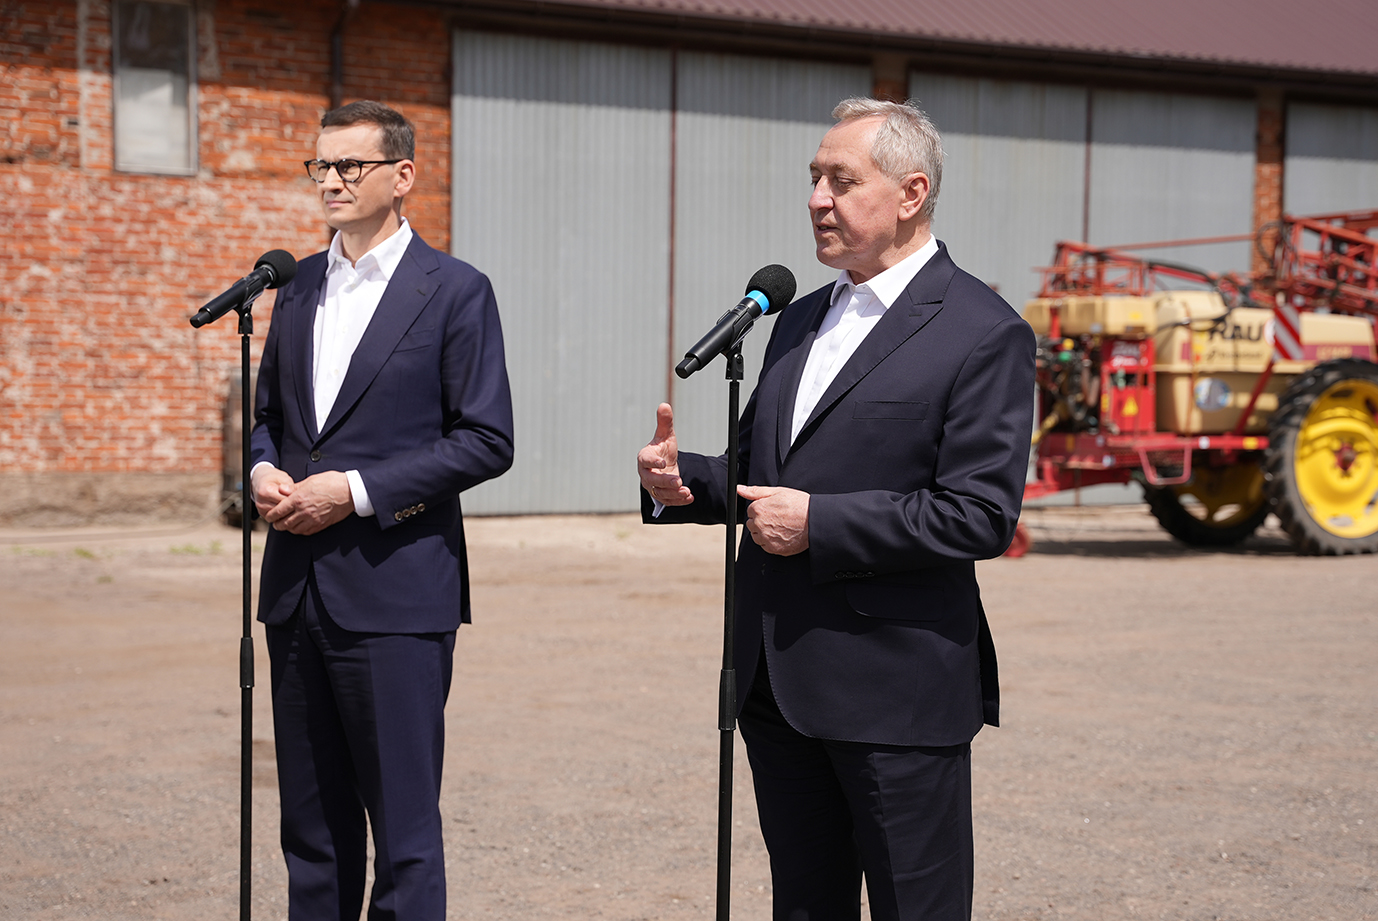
[771, 289]
[274, 269]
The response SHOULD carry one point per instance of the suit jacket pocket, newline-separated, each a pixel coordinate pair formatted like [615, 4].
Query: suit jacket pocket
[912, 411]
[897, 600]
[416, 339]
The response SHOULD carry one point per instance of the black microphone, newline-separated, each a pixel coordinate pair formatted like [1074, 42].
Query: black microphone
[770, 289]
[274, 269]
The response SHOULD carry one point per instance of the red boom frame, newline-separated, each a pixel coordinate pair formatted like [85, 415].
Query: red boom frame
[1325, 260]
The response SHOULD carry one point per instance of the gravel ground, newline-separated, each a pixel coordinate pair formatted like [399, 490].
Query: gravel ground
[1187, 735]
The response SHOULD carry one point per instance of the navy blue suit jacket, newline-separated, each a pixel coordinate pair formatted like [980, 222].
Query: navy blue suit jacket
[424, 412]
[915, 460]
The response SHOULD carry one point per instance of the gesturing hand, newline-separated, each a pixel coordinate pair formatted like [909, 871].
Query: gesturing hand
[778, 518]
[658, 463]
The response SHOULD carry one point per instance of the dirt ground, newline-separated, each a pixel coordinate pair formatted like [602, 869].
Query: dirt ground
[1186, 735]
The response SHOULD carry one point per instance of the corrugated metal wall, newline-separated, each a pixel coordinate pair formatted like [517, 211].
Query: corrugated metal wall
[1169, 167]
[564, 158]
[1332, 159]
[746, 130]
[1014, 179]
[1162, 167]
[560, 194]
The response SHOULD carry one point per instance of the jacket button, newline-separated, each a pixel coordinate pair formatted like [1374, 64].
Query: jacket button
[396, 516]
[421, 507]
[315, 456]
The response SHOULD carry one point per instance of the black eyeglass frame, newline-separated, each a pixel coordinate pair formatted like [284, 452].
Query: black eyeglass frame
[339, 166]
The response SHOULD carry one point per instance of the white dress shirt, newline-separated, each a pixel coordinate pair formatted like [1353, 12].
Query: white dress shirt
[349, 298]
[847, 323]
[855, 311]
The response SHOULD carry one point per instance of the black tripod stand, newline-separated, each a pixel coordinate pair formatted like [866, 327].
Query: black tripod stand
[727, 687]
[246, 642]
[273, 270]
[771, 288]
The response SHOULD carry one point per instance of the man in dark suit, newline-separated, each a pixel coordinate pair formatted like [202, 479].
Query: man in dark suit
[382, 394]
[883, 451]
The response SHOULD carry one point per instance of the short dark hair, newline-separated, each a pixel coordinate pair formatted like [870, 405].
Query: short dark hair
[399, 137]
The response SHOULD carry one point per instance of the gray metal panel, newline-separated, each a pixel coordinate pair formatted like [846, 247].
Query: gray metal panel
[1170, 167]
[1013, 179]
[561, 195]
[1332, 159]
[747, 129]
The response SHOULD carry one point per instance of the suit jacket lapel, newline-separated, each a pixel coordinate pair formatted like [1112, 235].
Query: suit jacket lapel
[302, 325]
[792, 369]
[407, 294]
[920, 302]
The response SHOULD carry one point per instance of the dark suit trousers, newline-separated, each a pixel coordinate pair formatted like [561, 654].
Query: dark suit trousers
[831, 811]
[359, 723]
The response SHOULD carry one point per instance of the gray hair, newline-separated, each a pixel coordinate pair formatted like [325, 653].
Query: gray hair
[906, 142]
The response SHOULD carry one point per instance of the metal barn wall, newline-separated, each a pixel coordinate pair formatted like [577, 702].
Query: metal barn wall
[1162, 167]
[746, 130]
[1171, 167]
[561, 195]
[1013, 181]
[1332, 159]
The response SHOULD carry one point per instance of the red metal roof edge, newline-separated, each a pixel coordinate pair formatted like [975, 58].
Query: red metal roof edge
[1098, 27]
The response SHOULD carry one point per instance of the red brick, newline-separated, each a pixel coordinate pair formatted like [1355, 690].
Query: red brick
[99, 270]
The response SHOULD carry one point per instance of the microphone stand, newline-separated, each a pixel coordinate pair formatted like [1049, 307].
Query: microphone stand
[727, 687]
[246, 643]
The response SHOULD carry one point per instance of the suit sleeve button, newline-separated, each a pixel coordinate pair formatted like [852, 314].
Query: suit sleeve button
[396, 516]
[421, 507]
[315, 456]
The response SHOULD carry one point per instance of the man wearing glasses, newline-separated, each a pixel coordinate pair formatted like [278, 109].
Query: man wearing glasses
[382, 394]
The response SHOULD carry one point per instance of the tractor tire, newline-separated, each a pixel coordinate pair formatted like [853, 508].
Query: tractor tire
[1322, 461]
[1219, 507]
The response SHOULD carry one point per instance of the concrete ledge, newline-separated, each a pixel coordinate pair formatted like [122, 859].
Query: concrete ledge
[64, 500]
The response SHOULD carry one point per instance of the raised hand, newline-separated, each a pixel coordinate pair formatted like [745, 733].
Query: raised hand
[658, 463]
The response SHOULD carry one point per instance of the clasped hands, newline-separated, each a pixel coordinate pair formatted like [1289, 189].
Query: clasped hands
[303, 508]
[777, 517]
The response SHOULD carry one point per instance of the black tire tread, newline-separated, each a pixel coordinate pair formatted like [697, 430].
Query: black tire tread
[1166, 506]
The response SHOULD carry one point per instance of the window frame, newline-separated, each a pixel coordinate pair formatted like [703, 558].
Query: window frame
[124, 164]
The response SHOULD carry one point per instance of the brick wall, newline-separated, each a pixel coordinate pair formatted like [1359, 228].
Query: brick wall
[100, 372]
[1268, 174]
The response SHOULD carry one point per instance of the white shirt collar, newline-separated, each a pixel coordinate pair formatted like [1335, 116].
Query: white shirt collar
[383, 258]
[888, 285]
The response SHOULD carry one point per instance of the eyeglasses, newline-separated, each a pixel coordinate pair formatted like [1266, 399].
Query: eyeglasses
[347, 170]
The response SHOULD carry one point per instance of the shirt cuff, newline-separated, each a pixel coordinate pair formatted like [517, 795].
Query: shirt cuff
[362, 506]
[656, 507]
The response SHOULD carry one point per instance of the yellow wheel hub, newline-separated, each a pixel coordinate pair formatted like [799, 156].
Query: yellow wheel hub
[1336, 460]
[1222, 497]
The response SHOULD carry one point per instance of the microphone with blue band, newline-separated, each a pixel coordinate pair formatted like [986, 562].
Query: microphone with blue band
[769, 291]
